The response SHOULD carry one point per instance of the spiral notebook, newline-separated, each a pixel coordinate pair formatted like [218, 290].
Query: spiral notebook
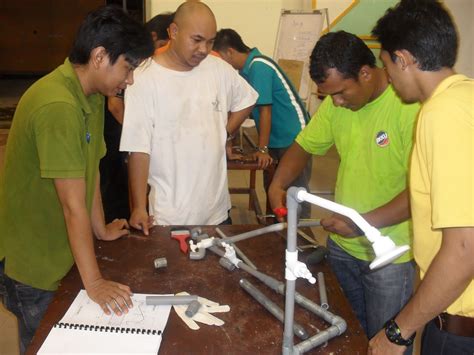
[86, 329]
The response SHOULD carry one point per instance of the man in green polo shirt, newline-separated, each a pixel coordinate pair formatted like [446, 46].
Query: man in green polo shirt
[50, 204]
[372, 131]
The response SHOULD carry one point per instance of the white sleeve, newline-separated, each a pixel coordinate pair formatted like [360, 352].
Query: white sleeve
[240, 93]
[137, 130]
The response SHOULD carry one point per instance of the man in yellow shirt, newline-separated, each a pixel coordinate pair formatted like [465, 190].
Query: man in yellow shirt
[419, 45]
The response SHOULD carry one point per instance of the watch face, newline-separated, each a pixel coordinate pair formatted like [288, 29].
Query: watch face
[392, 331]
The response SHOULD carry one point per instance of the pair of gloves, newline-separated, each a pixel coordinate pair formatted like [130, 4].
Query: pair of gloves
[203, 315]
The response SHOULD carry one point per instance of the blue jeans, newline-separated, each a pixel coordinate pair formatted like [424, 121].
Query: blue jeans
[439, 342]
[28, 304]
[375, 295]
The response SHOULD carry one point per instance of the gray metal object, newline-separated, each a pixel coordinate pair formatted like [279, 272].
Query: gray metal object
[237, 250]
[160, 263]
[270, 306]
[323, 297]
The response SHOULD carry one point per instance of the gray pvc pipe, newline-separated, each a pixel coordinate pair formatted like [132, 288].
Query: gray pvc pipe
[160, 300]
[271, 228]
[192, 309]
[270, 306]
[323, 297]
[237, 250]
[292, 205]
[302, 224]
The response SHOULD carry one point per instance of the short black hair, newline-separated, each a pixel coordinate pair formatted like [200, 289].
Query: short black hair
[111, 28]
[229, 38]
[159, 24]
[342, 51]
[422, 27]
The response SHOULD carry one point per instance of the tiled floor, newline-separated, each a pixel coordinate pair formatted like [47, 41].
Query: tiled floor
[324, 173]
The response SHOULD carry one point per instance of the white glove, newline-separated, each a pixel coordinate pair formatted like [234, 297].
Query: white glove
[204, 313]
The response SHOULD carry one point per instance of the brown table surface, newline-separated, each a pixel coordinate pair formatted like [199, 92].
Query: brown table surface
[248, 328]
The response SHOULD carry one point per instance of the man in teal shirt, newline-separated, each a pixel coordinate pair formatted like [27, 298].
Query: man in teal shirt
[50, 204]
[372, 131]
[279, 113]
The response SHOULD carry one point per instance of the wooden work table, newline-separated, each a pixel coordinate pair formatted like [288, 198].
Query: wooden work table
[248, 328]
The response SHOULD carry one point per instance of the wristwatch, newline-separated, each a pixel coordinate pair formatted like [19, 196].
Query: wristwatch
[393, 333]
[263, 149]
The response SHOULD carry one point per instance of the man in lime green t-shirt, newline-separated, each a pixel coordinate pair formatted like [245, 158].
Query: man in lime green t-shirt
[50, 204]
[372, 131]
[419, 46]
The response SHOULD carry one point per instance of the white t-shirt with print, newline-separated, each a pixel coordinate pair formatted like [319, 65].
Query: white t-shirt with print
[179, 119]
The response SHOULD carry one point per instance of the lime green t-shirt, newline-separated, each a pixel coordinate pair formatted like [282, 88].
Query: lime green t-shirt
[374, 144]
[57, 132]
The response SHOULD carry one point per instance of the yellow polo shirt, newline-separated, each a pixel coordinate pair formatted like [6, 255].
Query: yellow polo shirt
[442, 174]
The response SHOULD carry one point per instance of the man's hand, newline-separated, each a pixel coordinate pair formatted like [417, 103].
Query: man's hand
[341, 225]
[379, 344]
[263, 159]
[115, 229]
[277, 198]
[110, 295]
[141, 221]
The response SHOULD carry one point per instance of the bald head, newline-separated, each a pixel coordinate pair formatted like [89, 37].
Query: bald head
[192, 34]
[190, 11]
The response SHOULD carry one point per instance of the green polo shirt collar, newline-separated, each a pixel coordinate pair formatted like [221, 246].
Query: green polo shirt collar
[70, 74]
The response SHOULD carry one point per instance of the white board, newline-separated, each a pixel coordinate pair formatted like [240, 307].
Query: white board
[297, 34]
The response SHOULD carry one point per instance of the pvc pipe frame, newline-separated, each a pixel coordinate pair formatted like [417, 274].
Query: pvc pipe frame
[338, 324]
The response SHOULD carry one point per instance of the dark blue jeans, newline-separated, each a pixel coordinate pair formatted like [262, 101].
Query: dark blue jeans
[439, 342]
[375, 295]
[27, 303]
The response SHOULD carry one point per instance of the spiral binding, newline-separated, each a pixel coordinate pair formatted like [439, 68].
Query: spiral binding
[103, 328]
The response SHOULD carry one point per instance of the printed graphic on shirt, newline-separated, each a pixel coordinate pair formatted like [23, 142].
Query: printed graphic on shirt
[216, 105]
[382, 139]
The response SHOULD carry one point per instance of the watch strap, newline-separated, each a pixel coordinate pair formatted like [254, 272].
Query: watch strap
[394, 334]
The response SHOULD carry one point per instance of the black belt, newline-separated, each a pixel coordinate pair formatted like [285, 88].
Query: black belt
[454, 324]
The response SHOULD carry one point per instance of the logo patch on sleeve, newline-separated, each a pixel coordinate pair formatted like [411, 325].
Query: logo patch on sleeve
[382, 139]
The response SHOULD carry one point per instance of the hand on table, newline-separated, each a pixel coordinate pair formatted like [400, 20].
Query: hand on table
[110, 295]
[263, 159]
[116, 229]
[341, 225]
[379, 344]
[140, 220]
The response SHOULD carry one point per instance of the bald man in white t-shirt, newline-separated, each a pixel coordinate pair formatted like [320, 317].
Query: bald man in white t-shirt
[178, 114]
